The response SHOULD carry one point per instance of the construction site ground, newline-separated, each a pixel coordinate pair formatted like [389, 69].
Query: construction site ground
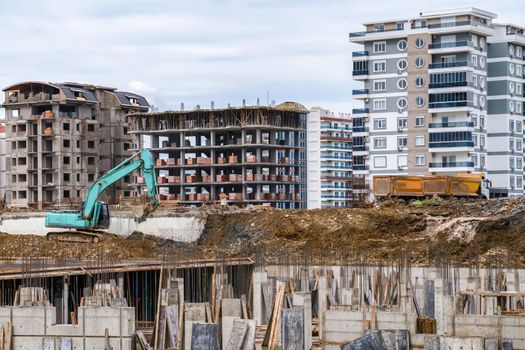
[459, 232]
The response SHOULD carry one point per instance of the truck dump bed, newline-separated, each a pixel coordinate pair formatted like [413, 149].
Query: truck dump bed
[461, 185]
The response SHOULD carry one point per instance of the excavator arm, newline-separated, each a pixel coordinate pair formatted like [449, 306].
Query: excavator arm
[94, 214]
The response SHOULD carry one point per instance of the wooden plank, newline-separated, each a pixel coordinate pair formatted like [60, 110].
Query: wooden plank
[142, 340]
[244, 307]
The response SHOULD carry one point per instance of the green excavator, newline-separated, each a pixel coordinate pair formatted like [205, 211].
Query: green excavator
[94, 214]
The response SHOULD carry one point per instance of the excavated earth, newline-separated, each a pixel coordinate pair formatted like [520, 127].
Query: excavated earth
[459, 232]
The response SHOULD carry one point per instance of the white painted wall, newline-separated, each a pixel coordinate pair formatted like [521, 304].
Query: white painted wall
[313, 159]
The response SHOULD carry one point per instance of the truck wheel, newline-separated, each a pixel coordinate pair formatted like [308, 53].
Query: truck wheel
[96, 239]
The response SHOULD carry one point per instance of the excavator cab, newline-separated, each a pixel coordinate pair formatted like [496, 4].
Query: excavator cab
[103, 218]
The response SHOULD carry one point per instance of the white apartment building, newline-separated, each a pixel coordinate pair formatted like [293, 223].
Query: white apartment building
[442, 94]
[329, 160]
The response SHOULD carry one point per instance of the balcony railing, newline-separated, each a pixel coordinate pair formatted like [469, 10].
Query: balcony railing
[360, 92]
[451, 144]
[360, 72]
[360, 34]
[359, 53]
[360, 148]
[336, 157]
[452, 165]
[451, 125]
[449, 24]
[338, 128]
[360, 167]
[335, 147]
[334, 166]
[360, 129]
[446, 85]
[447, 45]
[448, 64]
[451, 104]
[360, 110]
[336, 186]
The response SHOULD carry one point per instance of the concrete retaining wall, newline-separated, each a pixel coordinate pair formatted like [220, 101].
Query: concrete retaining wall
[34, 325]
[177, 227]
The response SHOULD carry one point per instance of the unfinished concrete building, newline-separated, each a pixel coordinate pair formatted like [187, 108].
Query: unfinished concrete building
[244, 155]
[61, 137]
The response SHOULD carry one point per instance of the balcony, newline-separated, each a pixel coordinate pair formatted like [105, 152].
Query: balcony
[337, 157]
[335, 147]
[451, 144]
[360, 148]
[360, 111]
[360, 129]
[364, 33]
[452, 165]
[360, 72]
[451, 125]
[449, 45]
[360, 92]
[338, 128]
[448, 64]
[360, 167]
[334, 166]
[359, 53]
[447, 85]
[451, 104]
[449, 24]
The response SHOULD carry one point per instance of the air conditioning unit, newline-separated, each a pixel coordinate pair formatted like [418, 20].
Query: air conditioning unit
[512, 168]
[481, 146]
[399, 129]
[399, 110]
[366, 100]
[399, 167]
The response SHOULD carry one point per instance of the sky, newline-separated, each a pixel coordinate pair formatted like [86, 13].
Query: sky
[197, 51]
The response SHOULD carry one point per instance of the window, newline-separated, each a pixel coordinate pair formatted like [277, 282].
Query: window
[91, 161]
[78, 143]
[474, 159]
[66, 143]
[66, 177]
[474, 80]
[66, 193]
[91, 177]
[379, 142]
[78, 177]
[511, 162]
[475, 140]
[482, 61]
[519, 51]
[379, 162]
[519, 145]
[420, 160]
[519, 181]
[482, 101]
[419, 140]
[420, 42]
[482, 121]
[379, 66]
[511, 144]
[91, 127]
[511, 181]
[67, 160]
[402, 64]
[420, 120]
[482, 160]
[402, 45]
[125, 130]
[402, 103]
[511, 50]
[519, 88]
[420, 62]
[519, 127]
[91, 144]
[380, 47]
[78, 160]
[420, 82]
[402, 84]
[482, 141]
[400, 26]
[511, 87]
[420, 101]
[379, 123]
[474, 60]
[519, 107]
[15, 113]
[402, 161]
[511, 125]
[519, 70]
[380, 27]
[65, 126]
[402, 123]
[379, 104]
[402, 142]
[127, 145]
[519, 163]
[511, 68]
[379, 85]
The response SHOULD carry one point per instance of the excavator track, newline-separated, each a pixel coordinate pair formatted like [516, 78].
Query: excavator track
[79, 236]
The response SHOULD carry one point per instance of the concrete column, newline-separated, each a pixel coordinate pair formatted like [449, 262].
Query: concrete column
[258, 305]
[441, 314]
[40, 164]
[322, 291]
[304, 300]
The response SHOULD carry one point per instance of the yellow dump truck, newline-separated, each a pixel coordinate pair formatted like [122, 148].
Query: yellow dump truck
[459, 185]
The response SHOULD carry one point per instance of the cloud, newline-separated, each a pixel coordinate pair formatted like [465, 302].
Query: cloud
[140, 87]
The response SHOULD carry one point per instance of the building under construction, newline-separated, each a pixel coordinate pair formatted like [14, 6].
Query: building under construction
[244, 155]
[61, 137]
